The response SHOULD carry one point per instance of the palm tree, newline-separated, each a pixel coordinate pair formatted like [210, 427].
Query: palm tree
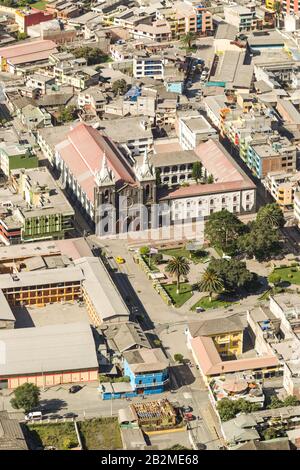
[187, 39]
[178, 266]
[278, 10]
[211, 282]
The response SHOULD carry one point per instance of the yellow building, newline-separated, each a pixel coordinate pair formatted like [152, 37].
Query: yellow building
[270, 4]
[226, 333]
[229, 344]
[282, 186]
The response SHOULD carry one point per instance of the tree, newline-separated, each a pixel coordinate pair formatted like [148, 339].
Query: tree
[223, 229]
[270, 216]
[66, 114]
[179, 358]
[197, 171]
[211, 282]
[275, 403]
[187, 39]
[270, 433]
[260, 242]
[178, 266]
[234, 273]
[120, 87]
[26, 396]
[278, 9]
[275, 278]
[228, 409]
[158, 177]
[93, 55]
[291, 400]
[144, 250]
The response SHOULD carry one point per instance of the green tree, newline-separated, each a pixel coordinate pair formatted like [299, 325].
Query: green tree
[188, 39]
[275, 278]
[223, 229]
[270, 433]
[234, 273]
[158, 177]
[120, 87]
[197, 171]
[67, 114]
[260, 242]
[178, 266]
[278, 11]
[179, 358]
[270, 216]
[144, 250]
[26, 397]
[291, 400]
[275, 403]
[93, 55]
[211, 282]
[226, 409]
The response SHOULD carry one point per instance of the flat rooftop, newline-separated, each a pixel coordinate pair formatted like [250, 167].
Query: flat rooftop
[51, 348]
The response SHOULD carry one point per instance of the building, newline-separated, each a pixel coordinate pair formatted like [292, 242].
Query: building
[231, 189]
[282, 187]
[11, 433]
[147, 369]
[133, 134]
[297, 207]
[95, 173]
[38, 209]
[58, 354]
[243, 18]
[14, 156]
[271, 154]
[14, 58]
[193, 130]
[148, 67]
[217, 346]
[30, 17]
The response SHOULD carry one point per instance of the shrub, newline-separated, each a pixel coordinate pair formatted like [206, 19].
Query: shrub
[179, 358]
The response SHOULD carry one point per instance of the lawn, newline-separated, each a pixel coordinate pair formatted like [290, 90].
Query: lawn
[100, 434]
[216, 302]
[197, 257]
[61, 436]
[40, 5]
[290, 274]
[185, 293]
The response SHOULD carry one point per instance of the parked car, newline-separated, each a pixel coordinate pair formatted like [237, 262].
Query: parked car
[75, 388]
[34, 416]
[187, 409]
[189, 416]
[70, 415]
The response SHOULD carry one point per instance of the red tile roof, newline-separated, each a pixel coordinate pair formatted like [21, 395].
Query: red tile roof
[211, 363]
[83, 151]
[28, 51]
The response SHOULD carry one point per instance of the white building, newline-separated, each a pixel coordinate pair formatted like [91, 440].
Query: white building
[193, 130]
[243, 18]
[148, 67]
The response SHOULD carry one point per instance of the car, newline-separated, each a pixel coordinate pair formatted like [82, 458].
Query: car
[187, 409]
[189, 416]
[120, 260]
[70, 415]
[200, 309]
[55, 417]
[34, 416]
[75, 388]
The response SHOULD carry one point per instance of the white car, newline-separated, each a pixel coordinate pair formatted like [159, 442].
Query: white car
[34, 416]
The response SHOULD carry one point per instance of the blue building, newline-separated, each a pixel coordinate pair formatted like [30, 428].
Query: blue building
[148, 370]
